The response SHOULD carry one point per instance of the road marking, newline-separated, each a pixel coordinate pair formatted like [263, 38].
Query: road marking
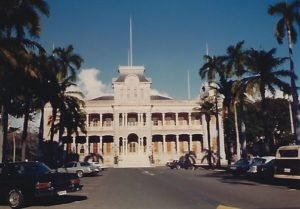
[225, 207]
[148, 173]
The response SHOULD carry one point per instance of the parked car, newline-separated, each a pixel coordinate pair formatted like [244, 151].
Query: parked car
[240, 167]
[287, 162]
[79, 168]
[266, 171]
[257, 162]
[23, 181]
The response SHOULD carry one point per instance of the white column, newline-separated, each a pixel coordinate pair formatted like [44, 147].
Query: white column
[177, 144]
[190, 119]
[126, 146]
[123, 146]
[191, 142]
[101, 125]
[126, 122]
[176, 119]
[87, 120]
[163, 119]
[205, 139]
[164, 144]
[222, 140]
[101, 146]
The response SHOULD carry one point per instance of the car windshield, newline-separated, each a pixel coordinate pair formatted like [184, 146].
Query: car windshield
[258, 161]
[85, 164]
[37, 169]
[30, 168]
[241, 162]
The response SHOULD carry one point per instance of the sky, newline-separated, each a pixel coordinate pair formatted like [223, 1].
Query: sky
[170, 38]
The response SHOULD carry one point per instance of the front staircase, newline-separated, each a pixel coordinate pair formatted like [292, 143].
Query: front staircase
[134, 161]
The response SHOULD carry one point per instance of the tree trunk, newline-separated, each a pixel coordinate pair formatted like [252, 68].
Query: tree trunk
[207, 117]
[296, 121]
[54, 112]
[238, 145]
[243, 128]
[4, 117]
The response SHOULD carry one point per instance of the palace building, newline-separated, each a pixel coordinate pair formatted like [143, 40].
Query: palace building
[133, 128]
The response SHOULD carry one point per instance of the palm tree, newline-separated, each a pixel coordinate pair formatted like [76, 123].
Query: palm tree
[65, 63]
[207, 109]
[213, 68]
[289, 17]
[16, 18]
[235, 59]
[263, 76]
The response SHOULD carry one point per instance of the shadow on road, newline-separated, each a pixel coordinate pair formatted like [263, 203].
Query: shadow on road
[226, 177]
[57, 200]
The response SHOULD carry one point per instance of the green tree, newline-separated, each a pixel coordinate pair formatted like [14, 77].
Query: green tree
[17, 19]
[263, 76]
[235, 59]
[64, 63]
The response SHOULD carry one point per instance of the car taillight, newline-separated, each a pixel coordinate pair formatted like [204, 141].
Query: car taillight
[75, 181]
[43, 185]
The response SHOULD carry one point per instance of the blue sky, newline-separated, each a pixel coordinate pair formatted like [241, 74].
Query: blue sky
[169, 37]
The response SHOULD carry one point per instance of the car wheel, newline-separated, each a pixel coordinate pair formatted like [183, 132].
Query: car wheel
[80, 174]
[15, 198]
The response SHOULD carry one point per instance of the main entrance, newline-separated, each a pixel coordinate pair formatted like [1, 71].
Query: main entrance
[133, 154]
[133, 143]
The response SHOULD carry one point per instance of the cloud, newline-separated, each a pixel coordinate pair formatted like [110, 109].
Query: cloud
[89, 83]
[158, 93]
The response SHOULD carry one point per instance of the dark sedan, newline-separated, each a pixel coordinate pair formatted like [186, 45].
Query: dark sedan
[240, 167]
[22, 181]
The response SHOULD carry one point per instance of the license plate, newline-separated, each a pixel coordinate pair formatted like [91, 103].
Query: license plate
[287, 170]
[62, 192]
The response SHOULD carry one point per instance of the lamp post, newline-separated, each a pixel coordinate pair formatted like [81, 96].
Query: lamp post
[218, 131]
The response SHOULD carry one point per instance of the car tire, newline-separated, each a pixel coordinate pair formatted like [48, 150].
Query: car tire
[79, 174]
[15, 198]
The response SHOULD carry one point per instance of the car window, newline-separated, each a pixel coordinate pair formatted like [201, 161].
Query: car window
[288, 153]
[258, 161]
[241, 162]
[69, 165]
[36, 169]
[84, 164]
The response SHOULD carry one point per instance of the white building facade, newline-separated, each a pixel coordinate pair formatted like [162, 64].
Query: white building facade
[133, 128]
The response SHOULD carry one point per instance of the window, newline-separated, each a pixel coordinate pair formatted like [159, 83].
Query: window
[288, 153]
[155, 121]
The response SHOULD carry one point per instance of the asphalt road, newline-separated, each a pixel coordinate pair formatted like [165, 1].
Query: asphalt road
[163, 188]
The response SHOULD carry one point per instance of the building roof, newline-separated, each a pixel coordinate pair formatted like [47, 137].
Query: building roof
[121, 78]
[158, 97]
[153, 97]
[103, 98]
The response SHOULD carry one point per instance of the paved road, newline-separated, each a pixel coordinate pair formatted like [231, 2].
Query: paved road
[163, 188]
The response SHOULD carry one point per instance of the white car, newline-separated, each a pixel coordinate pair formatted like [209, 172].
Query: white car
[80, 168]
[252, 172]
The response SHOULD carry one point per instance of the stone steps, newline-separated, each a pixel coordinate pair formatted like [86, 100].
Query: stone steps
[134, 161]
